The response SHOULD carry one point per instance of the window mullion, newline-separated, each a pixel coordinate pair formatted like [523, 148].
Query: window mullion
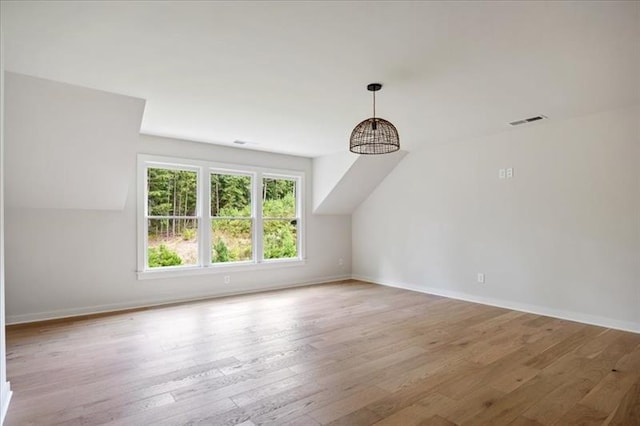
[299, 219]
[257, 214]
[204, 227]
[143, 231]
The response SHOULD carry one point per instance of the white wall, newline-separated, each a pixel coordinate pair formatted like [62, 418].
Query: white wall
[79, 256]
[562, 237]
[5, 388]
[66, 144]
[327, 172]
[348, 184]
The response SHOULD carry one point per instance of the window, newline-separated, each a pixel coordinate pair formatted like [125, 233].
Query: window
[201, 217]
[232, 218]
[172, 220]
[279, 218]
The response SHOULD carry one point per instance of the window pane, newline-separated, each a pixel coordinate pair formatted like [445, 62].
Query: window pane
[280, 239]
[172, 192]
[172, 242]
[230, 195]
[231, 240]
[279, 198]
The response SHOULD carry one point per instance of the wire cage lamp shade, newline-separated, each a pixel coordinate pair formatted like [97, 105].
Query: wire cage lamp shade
[374, 135]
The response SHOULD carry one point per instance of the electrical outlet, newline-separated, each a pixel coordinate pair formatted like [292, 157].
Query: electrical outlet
[227, 279]
[341, 261]
[510, 172]
[480, 277]
[502, 174]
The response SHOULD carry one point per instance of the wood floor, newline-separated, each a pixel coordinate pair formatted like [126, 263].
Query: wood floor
[339, 354]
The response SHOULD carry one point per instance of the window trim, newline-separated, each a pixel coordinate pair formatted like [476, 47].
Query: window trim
[204, 170]
[297, 217]
[208, 260]
[146, 216]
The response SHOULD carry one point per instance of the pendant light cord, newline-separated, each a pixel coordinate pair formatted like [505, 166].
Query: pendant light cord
[374, 105]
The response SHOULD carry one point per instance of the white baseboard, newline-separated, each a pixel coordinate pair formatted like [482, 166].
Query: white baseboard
[6, 393]
[516, 306]
[98, 309]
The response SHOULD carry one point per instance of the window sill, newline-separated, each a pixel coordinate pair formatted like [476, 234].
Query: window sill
[218, 269]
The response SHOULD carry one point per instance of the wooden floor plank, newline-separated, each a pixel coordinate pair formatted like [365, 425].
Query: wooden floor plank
[629, 407]
[556, 404]
[468, 408]
[585, 416]
[607, 394]
[348, 353]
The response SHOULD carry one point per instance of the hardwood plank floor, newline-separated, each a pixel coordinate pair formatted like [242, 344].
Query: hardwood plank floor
[340, 354]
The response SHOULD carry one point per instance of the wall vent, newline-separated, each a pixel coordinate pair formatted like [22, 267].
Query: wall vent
[528, 120]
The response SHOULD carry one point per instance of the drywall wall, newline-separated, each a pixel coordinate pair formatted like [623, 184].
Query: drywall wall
[65, 161]
[562, 237]
[5, 387]
[79, 256]
[327, 172]
[349, 186]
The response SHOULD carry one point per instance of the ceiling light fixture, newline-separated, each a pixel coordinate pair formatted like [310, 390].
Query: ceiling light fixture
[374, 135]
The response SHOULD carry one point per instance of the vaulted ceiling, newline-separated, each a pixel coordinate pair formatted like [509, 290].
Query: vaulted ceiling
[290, 77]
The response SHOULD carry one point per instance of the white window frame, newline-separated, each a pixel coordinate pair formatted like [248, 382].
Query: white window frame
[204, 170]
[233, 172]
[298, 218]
[145, 214]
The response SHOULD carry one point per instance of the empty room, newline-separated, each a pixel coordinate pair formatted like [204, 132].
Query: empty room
[320, 213]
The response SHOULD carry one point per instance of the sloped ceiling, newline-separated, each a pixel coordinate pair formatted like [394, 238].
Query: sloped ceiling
[344, 180]
[291, 76]
[68, 147]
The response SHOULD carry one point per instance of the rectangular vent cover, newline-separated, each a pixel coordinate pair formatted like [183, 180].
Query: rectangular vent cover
[528, 120]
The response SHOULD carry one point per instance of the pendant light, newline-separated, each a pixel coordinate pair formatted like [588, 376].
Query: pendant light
[374, 135]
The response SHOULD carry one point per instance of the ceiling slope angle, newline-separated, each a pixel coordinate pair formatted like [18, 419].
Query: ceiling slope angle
[342, 181]
[78, 156]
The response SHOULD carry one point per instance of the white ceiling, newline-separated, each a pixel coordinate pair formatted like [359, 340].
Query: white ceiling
[291, 76]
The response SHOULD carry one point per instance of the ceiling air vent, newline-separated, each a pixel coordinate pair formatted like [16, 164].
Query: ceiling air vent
[528, 120]
[238, 142]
